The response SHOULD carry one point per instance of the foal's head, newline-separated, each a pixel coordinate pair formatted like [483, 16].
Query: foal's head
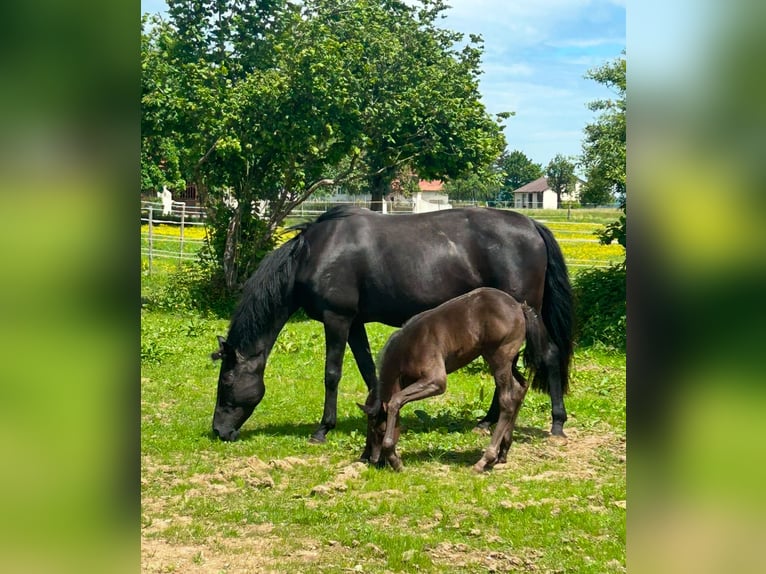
[376, 429]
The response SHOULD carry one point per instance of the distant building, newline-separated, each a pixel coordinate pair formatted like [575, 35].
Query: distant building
[430, 196]
[538, 194]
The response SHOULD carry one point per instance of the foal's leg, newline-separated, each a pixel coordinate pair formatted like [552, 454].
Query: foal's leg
[494, 408]
[336, 329]
[420, 389]
[509, 393]
[519, 396]
[510, 397]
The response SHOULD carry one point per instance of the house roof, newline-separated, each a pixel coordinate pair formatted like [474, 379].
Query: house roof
[540, 184]
[430, 185]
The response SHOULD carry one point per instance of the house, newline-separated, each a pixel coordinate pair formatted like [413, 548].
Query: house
[538, 194]
[430, 196]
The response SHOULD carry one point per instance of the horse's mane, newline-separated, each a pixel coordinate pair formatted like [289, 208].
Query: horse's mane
[337, 212]
[267, 290]
[265, 293]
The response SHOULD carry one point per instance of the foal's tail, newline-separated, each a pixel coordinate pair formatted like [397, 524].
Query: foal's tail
[557, 310]
[535, 344]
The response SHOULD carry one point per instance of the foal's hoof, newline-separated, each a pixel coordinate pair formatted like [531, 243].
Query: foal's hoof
[482, 428]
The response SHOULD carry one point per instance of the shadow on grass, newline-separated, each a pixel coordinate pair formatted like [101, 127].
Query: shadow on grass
[345, 426]
[410, 424]
[468, 457]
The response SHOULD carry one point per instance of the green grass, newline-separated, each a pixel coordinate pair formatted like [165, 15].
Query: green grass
[273, 502]
[551, 507]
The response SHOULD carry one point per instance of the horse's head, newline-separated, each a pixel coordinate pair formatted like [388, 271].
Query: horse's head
[240, 389]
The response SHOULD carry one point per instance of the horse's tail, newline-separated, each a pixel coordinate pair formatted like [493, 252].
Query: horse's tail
[535, 343]
[557, 310]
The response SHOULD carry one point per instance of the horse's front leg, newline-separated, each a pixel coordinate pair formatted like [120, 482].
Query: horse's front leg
[336, 329]
[431, 385]
[360, 347]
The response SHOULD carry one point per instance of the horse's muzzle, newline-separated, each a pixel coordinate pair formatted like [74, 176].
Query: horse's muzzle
[226, 435]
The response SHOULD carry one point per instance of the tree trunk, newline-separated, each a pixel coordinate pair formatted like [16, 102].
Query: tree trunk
[230, 250]
[378, 190]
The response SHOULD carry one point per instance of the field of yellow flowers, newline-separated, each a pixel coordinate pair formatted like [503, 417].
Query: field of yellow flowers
[577, 239]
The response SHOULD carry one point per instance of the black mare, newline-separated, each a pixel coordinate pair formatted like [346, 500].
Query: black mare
[353, 266]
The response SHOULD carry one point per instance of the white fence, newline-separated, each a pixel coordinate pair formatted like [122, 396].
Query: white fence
[164, 231]
[160, 242]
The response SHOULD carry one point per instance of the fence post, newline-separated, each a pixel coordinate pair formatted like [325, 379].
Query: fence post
[150, 238]
[183, 219]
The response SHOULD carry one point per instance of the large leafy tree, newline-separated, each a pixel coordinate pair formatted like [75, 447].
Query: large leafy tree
[271, 100]
[482, 185]
[561, 176]
[518, 169]
[604, 149]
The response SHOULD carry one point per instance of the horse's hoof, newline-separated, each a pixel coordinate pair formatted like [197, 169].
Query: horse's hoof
[557, 439]
[317, 439]
[482, 429]
[479, 467]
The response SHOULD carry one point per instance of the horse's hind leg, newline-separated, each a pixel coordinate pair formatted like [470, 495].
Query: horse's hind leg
[510, 393]
[491, 417]
[556, 391]
[360, 347]
[519, 394]
[336, 329]
[494, 408]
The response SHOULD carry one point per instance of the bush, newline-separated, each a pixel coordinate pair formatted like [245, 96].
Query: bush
[197, 285]
[600, 307]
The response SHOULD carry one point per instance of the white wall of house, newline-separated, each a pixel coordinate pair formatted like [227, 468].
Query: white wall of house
[543, 200]
[424, 201]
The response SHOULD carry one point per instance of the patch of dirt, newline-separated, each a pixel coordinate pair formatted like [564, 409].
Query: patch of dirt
[340, 482]
[253, 554]
[462, 555]
[578, 454]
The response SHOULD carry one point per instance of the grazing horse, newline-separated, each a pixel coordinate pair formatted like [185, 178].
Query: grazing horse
[353, 266]
[417, 359]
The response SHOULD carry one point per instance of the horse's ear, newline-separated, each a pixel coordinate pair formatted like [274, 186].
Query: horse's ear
[223, 348]
[369, 409]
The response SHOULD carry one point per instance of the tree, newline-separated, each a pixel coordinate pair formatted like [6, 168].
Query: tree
[561, 177]
[273, 100]
[604, 149]
[596, 191]
[478, 186]
[518, 170]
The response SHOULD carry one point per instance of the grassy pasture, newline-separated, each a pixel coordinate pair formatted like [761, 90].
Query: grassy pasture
[271, 502]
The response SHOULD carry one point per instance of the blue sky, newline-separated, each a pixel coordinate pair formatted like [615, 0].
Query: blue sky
[536, 54]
